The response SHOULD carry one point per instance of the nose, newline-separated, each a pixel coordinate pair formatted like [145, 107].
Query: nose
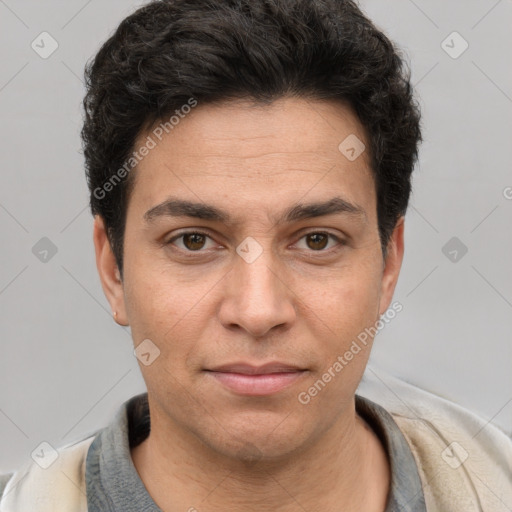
[257, 298]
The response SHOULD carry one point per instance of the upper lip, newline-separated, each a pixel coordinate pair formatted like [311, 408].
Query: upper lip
[264, 369]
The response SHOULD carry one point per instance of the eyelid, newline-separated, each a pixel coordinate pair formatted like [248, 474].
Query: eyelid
[188, 232]
[340, 240]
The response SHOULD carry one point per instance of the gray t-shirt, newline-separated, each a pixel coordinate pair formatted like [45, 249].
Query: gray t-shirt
[113, 484]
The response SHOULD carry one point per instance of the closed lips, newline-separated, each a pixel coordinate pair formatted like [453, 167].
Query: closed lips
[247, 369]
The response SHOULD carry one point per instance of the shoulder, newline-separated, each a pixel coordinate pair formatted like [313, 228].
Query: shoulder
[3, 482]
[62, 471]
[461, 457]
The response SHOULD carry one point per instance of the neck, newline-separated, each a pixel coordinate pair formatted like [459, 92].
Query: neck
[346, 469]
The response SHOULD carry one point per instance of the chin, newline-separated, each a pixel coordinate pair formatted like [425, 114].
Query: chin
[258, 441]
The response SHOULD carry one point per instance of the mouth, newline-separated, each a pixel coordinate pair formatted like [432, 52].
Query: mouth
[249, 380]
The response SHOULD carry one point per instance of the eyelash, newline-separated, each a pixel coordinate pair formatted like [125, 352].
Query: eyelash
[202, 233]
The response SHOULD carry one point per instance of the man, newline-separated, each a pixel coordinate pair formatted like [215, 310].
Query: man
[249, 164]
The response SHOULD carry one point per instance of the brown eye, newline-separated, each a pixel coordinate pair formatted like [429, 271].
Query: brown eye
[194, 241]
[321, 242]
[191, 241]
[317, 241]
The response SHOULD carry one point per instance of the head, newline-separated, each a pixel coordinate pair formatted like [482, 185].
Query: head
[255, 111]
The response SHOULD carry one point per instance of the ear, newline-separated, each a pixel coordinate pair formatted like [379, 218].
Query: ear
[109, 272]
[392, 265]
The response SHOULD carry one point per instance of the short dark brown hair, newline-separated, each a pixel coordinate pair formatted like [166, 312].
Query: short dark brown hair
[170, 51]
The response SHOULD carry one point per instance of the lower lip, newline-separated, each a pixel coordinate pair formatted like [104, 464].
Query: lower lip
[256, 385]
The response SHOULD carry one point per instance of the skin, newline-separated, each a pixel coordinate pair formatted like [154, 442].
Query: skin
[302, 301]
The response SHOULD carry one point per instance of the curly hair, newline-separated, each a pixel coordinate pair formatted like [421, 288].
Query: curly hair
[170, 51]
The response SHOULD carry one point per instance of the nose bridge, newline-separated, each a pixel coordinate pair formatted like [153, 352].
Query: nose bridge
[258, 299]
[255, 270]
[258, 276]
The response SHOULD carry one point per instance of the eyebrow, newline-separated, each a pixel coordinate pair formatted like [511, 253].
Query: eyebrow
[174, 207]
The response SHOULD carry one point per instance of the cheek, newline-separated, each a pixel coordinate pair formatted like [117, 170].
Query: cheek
[146, 305]
[349, 308]
[167, 309]
[153, 306]
[348, 299]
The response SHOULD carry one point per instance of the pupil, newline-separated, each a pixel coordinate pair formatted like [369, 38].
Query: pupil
[196, 241]
[318, 238]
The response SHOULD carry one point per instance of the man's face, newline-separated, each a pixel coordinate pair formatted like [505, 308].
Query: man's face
[298, 292]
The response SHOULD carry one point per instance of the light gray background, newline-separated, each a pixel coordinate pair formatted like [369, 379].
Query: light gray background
[65, 366]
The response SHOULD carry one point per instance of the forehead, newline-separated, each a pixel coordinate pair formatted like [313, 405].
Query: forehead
[244, 155]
